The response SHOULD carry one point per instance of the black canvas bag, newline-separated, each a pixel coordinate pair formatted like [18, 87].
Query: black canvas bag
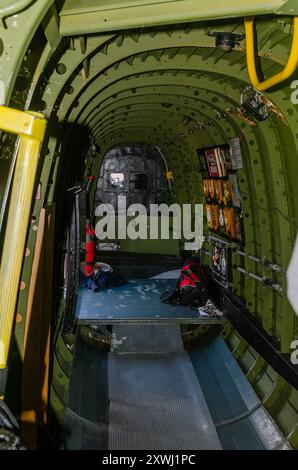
[191, 289]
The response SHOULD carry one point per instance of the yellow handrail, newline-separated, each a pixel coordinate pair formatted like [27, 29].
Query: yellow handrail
[250, 57]
[31, 128]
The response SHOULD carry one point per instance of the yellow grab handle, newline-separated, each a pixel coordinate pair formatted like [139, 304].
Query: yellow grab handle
[251, 64]
[31, 129]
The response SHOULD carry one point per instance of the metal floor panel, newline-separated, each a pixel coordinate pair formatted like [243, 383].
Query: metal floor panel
[162, 338]
[239, 417]
[136, 301]
[86, 418]
[133, 399]
[157, 403]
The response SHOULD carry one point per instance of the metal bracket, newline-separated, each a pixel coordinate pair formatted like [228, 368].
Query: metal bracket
[3, 380]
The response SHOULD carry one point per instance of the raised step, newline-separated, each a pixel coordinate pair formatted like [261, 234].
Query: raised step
[137, 301]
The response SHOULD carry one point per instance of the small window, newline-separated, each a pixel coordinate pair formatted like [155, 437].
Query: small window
[116, 180]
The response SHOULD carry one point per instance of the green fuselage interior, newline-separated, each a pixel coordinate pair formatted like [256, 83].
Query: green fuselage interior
[112, 74]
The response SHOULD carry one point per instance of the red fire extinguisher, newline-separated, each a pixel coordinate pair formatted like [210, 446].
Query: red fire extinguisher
[90, 249]
[89, 182]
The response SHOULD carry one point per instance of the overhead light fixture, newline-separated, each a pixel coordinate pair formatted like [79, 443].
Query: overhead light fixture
[226, 41]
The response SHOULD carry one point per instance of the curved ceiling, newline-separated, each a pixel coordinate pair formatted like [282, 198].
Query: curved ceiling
[172, 88]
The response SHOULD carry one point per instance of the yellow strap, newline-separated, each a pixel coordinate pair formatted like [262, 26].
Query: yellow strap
[251, 64]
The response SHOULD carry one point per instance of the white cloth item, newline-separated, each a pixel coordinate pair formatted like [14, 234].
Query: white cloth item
[173, 274]
[292, 278]
[105, 267]
[210, 310]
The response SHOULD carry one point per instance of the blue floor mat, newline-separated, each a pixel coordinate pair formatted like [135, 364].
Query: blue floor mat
[137, 300]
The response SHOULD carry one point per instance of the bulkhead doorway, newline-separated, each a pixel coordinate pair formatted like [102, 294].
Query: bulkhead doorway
[135, 172]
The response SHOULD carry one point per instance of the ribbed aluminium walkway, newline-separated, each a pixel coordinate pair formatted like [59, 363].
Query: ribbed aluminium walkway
[148, 393]
[156, 401]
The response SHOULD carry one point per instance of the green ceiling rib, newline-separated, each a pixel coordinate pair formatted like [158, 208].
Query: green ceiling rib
[81, 17]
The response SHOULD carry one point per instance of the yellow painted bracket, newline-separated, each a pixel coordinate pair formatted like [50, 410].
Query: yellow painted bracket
[25, 124]
[30, 127]
[169, 175]
[251, 64]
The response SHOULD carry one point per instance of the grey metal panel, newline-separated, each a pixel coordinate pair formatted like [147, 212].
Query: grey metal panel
[239, 417]
[138, 338]
[82, 434]
[156, 402]
[86, 419]
[268, 432]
